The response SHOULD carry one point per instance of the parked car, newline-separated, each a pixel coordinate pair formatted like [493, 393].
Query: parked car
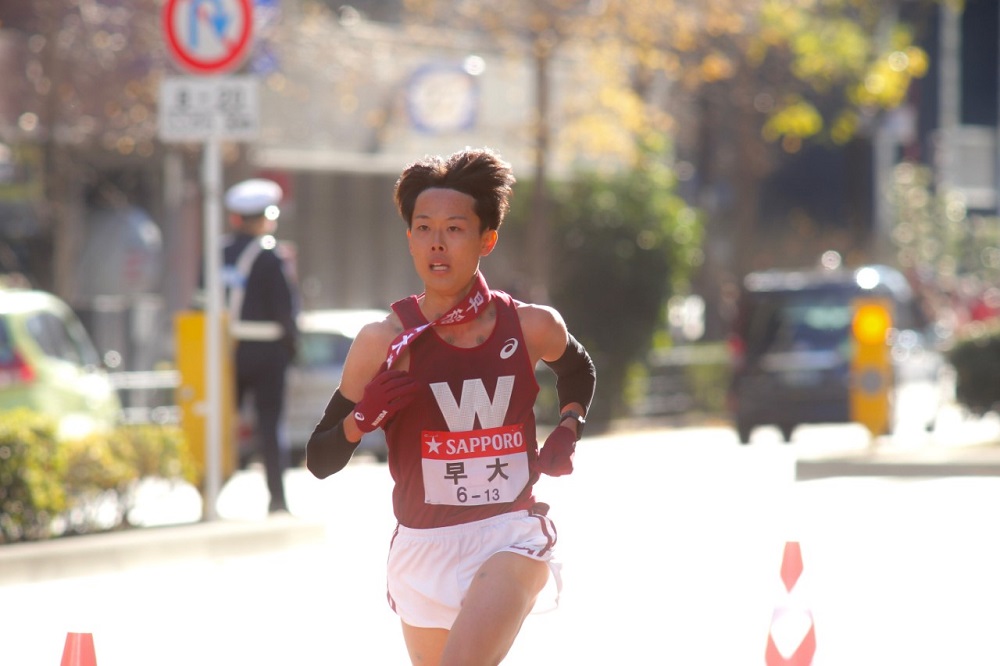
[326, 335]
[791, 348]
[48, 363]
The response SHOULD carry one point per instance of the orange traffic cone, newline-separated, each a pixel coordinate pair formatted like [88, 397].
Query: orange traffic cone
[79, 650]
[791, 640]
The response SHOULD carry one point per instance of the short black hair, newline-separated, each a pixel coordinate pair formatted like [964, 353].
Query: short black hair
[479, 172]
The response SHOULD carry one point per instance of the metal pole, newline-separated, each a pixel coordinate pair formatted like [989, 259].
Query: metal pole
[212, 183]
[950, 73]
[885, 144]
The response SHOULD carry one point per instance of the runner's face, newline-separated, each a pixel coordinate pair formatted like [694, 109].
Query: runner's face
[445, 240]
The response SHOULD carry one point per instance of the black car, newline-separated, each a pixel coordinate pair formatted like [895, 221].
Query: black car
[791, 348]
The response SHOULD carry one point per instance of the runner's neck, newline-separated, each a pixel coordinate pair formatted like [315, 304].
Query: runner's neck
[472, 333]
[435, 305]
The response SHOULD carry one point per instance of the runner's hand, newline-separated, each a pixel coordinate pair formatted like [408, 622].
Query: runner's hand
[556, 456]
[385, 394]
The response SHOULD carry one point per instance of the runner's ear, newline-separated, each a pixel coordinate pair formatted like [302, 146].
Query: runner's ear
[490, 238]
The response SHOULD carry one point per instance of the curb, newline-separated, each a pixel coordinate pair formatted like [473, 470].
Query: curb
[112, 552]
[965, 466]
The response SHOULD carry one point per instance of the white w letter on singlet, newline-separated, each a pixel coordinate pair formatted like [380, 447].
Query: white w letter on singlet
[475, 402]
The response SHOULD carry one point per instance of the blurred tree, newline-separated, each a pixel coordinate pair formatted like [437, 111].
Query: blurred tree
[796, 72]
[952, 256]
[739, 82]
[629, 242]
[929, 231]
[87, 99]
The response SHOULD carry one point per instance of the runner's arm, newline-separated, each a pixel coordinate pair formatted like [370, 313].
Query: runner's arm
[328, 450]
[336, 437]
[576, 376]
[549, 341]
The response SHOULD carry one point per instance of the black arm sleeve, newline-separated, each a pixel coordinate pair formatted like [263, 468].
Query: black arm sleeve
[576, 375]
[328, 449]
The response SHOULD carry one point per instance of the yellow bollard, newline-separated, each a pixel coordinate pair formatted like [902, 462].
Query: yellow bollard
[872, 379]
[189, 341]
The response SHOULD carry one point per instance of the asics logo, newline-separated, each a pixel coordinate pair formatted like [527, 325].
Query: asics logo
[508, 349]
[378, 419]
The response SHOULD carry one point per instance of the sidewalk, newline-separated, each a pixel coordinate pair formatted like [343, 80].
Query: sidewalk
[958, 450]
[969, 448]
[110, 552]
[981, 459]
[168, 527]
[959, 446]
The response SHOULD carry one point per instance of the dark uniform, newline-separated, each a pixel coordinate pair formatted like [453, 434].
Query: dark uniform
[262, 307]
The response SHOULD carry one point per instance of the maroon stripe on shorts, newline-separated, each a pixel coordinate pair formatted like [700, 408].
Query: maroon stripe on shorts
[549, 530]
[388, 595]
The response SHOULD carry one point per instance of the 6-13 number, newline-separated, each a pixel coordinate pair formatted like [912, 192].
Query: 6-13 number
[491, 495]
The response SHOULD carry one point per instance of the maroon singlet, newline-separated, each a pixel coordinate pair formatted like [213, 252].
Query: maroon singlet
[465, 449]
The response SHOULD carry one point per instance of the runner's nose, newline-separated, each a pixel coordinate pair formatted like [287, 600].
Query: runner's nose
[437, 242]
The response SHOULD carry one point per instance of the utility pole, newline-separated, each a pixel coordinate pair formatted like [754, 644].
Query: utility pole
[885, 144]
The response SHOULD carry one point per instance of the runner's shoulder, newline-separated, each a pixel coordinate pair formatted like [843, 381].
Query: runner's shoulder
[544, 331]
[533, 315]
[378, 335]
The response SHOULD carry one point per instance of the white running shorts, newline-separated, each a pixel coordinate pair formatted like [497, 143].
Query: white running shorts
[430, 570]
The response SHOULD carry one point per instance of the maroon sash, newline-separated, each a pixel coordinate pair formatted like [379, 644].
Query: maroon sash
[468, 308]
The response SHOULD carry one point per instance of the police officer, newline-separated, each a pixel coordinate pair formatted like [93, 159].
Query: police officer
[262, 305]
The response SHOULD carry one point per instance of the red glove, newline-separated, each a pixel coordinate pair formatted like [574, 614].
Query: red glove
[385, 394]
[556, 456]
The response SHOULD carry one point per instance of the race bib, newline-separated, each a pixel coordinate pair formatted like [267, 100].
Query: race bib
[488, 466]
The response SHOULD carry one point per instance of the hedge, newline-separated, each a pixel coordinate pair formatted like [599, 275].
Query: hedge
[50, 487]
[976, 359]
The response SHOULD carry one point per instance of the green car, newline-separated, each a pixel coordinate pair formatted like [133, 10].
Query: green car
[49, 364]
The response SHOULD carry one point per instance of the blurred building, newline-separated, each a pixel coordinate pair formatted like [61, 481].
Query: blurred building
[348, 97]
[956, 109]
[348, 102]
[345, 104]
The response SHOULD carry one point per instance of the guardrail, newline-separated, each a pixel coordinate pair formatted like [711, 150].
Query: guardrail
[685, 379]
[141, 402]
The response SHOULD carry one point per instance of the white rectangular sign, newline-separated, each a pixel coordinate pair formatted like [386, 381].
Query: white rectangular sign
[195, 108]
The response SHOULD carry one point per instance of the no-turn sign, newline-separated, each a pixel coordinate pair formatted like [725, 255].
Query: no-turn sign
[208, 36]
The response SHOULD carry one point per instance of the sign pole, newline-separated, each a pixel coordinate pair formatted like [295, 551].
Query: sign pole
[209, 38]
[212, 184]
